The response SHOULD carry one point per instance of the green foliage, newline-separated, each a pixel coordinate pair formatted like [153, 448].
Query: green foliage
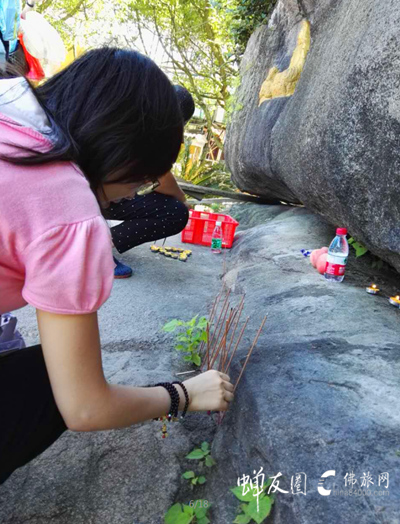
[190, 475]
[192, 39]
[359, 248]
[78, 19]
[195, 512]
[248, 508]
[216, 207]
[202, 172]
[233, 105]
[247, 16]
[191, 334]
[203, 455]
[196, 42]
[378, 263]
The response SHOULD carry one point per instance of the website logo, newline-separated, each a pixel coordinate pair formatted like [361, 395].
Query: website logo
[321, 490]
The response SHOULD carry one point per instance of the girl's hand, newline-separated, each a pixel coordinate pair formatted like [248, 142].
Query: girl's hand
[209, 391]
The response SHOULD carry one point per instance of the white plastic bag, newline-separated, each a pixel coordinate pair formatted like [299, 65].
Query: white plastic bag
[42, 41]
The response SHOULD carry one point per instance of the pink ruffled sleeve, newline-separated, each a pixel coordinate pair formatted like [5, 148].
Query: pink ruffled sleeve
[70, 268]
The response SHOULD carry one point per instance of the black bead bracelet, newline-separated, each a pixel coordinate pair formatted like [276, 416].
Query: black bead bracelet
[175, 399]
[186, 397]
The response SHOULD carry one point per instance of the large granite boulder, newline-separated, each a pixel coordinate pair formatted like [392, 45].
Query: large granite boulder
[318, 116]
[320, 391]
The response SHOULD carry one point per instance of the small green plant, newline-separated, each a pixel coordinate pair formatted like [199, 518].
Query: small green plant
[248, 508]
[192, 333]
[216, 207]
[378, 263]
[195, 512]
[359, 248]
[397, 452]
[203, 455]
[190, 475]
[202, 171]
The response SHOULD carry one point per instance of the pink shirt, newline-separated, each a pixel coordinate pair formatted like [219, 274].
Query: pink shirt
[55, 246]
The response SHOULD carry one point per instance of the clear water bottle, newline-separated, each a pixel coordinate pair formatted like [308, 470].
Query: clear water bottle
[216, 239]
[337, 256]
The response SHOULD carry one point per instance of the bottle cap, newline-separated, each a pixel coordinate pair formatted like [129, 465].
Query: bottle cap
[341, 231]
[218, 223]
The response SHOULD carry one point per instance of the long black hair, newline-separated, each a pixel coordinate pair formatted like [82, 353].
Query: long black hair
[112, 111]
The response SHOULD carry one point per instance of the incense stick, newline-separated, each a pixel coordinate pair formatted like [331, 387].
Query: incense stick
[216, 340]
[239, 310]
[219, 342]
[249, 353]
[223, 352]
[222, 310]
[237, 343]
[215, 304]
[208, 345]
[220, 419]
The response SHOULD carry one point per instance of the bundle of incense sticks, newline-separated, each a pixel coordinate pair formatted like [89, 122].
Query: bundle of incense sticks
[222, 328]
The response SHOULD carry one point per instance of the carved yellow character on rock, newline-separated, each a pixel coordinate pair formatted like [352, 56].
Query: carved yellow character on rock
[283, 83]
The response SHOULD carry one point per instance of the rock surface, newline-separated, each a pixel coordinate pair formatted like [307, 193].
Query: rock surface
[333, 145]
[320, 391]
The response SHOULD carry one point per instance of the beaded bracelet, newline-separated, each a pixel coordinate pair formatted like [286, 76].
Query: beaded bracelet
[186, 396]
[173, 410]
[175, 399]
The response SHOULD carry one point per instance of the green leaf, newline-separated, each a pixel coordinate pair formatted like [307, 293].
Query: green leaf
[188, 510]
[242, 519]
[192, 322]
[199, 509]
[265, 505]
[397, 452]
[248, 497]
[180, 347]
[175, 515]
[196, 359]
[203, 520]
[202, 479]
[202, 323]
[210, 461]
[360, 249]
[196, 454]
[205, 445]
[196, 337]
[172, 325]
[203, 336]
[188, 358]
[188, 474]
[194, 481]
